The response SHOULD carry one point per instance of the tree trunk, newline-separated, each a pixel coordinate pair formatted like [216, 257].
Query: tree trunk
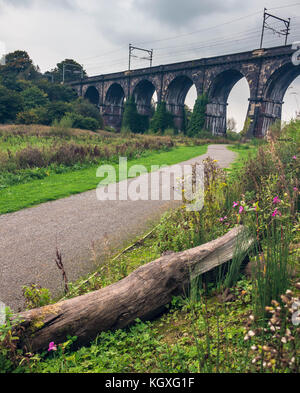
[142, 294]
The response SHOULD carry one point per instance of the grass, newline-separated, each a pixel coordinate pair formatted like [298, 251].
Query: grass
[173, 343]
[58, 186]
[244, 151]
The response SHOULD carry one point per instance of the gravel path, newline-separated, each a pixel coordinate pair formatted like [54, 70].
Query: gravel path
[77, 225]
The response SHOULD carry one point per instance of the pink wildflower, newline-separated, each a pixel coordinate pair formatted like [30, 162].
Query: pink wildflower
[241, 209]
[235, 204]
[276, 200]
[52, 347]
[294, 157]
[295, 189]
[276, 212]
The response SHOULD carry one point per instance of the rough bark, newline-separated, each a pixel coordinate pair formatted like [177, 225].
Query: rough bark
[140, 295]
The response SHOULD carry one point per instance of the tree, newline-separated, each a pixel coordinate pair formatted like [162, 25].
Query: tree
[197, 121]
[18, 64]
[57, 92]
[10, 104]
[33, 97]
[162, 119]
[73, 71]
[86, 109]
[132, 120]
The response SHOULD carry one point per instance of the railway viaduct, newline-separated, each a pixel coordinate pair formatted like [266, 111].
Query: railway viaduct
[269, 72]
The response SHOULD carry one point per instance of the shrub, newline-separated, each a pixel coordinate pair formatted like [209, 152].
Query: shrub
[233, 136]
[33, 97]
[57, 92]
[10, 104]
[162, 119]
[197, 122]
[132, 120]
[56, 111]
[85, 123]
[32, 116]
[86, 109]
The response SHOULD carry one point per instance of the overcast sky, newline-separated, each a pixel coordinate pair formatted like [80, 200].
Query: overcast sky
[96, 33]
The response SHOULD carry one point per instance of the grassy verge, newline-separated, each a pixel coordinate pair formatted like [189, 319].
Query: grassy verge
[62, 185]
[244, 151]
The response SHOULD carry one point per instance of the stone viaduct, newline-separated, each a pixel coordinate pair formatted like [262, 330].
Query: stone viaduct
[269, 72]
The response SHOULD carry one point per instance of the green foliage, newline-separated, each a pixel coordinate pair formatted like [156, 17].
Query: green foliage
[162, 119]
[33, 97]
[10, 104]
[56, 110]
[57, 92]
[246, 127]
[132, 120]
[79, 121]
[18, 65]
[233, 136]
[87, 110]
[35, 296]
[182, 229]
[197, 122]
[36, 115]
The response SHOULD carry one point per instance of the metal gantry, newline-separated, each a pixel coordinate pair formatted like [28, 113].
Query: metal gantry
[133, 48]
[284, 32]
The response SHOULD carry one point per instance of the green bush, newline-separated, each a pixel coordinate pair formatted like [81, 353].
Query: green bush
[132, 120]
[233, 136]
[85, 123]
[86, 109]
[56, 111]
[162, 119]
[32, 116]
[10, 104]
[57, 92]
[197, 122]
[33, 97]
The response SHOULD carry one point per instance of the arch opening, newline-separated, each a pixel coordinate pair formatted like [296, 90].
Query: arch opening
[284, 85]
[145, 97]
[115, 95]
[218, 96]
[179, 90]
[237, 106]
[291, 102]
[92, 95]
[277, 89]
[114, 106]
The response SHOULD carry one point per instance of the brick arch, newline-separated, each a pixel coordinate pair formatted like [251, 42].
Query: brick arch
[176, 90]
[142, 93]
[92, 94]
[113, 107]
[218, 90]
[220, 84]
[279, 81]
[273, 93]
[114, 95]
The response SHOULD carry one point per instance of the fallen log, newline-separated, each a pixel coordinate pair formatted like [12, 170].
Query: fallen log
[142, 294]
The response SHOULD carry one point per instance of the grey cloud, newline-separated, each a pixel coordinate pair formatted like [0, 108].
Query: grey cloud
[180, 12]
[44, 3]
